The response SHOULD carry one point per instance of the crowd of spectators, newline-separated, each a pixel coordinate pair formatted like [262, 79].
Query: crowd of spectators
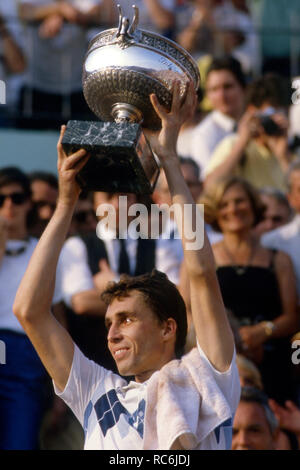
[43, 45]
[239, 157]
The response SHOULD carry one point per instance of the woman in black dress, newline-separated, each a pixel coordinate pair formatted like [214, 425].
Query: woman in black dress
[257, 284]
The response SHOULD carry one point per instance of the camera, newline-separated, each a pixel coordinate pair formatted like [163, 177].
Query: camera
[270, 126]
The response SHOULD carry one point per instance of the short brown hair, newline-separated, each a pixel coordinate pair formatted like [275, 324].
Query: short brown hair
[160, 294]
[212, 198]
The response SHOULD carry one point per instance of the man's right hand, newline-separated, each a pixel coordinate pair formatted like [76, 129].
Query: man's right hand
[68, 167]
[248, 126]
[51, 26]
[68, 12]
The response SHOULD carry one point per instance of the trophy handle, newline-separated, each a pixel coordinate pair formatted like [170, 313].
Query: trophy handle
[124, 30]
[135, 20]
[120, 20]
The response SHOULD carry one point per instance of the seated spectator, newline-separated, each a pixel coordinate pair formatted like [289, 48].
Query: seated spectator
[257, 284]
[277, 211]
[23, 378]
[259, 150]
[219, 27]
[12, 64]
[84, 220]
[56, 43]
[288, 417]
[255, 426]
[225, 89]
[287, 238]
[44, 188]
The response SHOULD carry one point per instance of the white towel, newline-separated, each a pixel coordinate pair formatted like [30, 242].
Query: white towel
[184, 404]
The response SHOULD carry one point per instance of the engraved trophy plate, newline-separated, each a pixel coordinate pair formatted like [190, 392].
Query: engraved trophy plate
[122, 67]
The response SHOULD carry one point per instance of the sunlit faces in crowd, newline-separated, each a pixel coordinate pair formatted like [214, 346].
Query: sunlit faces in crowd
[84, 219]
[251, 430]
[191, 175]
[44, 197]
[277, 211]
[255, 426]
[15, 204]
[113, 200]
[225, 93]
[235, 211]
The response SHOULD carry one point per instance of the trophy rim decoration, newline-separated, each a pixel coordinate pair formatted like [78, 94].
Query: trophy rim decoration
[121, 93]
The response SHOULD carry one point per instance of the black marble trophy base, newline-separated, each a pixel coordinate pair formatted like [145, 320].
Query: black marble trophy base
[121, 158]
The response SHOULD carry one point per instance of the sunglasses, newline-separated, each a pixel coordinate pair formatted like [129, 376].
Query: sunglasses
[16, 198]
[82, 216]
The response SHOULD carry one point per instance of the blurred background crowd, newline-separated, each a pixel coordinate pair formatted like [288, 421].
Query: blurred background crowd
[240, 156]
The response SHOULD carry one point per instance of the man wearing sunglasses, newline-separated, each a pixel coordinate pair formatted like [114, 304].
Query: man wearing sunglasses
[22, 377]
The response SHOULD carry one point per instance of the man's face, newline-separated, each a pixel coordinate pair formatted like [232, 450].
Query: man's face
[275, 215]
[44, 197]
[84, 218]
[14, 213]
[251, 430]
[162, 194]
[136, 338]
[225, 93]
[113, 199]
[294, 194]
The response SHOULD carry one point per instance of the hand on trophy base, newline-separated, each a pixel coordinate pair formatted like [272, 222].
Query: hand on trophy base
[121, 158]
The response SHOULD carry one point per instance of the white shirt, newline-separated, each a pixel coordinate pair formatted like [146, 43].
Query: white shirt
[169, 252]
[287, 239]
[76, 275]
[207, 135]
[112, 412]
[12, 270]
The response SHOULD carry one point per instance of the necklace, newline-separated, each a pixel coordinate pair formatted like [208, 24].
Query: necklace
[240, 269]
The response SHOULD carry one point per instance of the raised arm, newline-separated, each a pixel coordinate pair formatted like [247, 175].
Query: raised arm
[161, 17]
[32, 304]
[209, 317]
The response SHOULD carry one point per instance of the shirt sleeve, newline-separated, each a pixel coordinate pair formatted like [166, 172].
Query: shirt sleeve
[228, 381]
[76, 275]
[84, 377]
[220, 154]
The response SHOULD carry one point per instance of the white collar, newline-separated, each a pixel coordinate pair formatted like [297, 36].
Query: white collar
[226, 122]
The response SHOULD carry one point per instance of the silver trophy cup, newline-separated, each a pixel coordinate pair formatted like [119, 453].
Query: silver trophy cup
[122, 67]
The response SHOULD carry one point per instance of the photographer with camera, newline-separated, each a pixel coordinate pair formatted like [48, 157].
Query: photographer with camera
[259, 151]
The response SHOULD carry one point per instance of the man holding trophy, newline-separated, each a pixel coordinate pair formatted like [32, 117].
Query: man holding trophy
[197, 393]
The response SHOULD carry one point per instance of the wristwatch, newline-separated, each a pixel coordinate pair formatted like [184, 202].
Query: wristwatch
[269, 327]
